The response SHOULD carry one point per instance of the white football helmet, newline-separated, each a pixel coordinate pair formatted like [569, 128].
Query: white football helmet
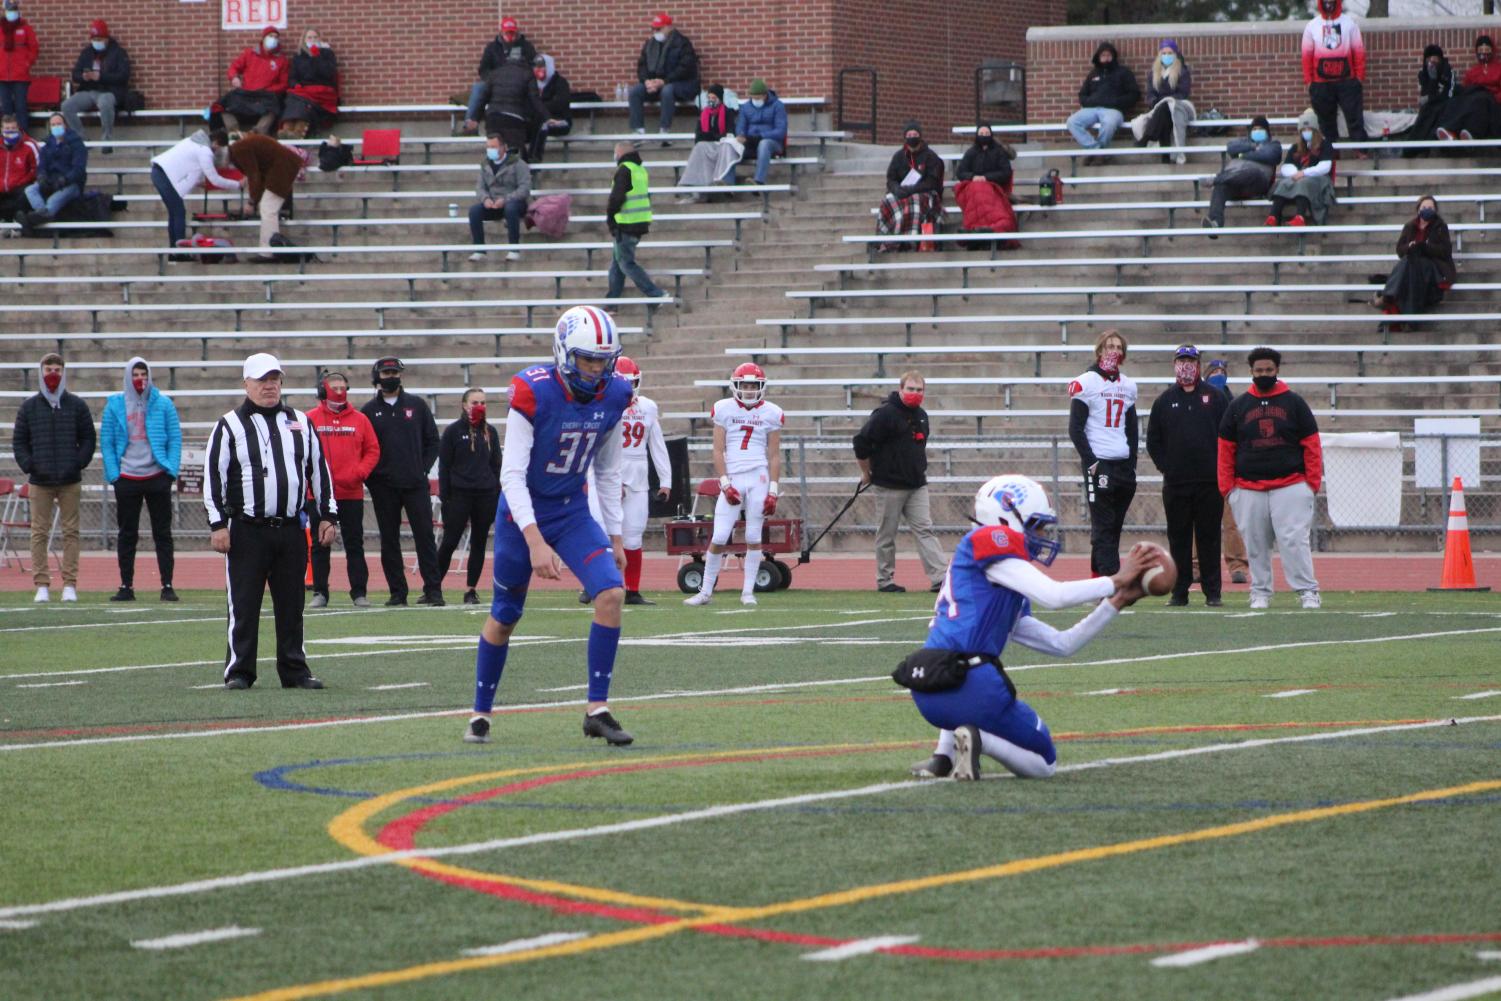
[1021, 504]
[587, 332]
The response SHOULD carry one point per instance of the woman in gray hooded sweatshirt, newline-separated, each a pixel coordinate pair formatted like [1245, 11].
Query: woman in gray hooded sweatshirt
[141, 442]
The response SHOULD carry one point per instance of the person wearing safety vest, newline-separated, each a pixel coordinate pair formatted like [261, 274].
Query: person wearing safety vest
[628, 215]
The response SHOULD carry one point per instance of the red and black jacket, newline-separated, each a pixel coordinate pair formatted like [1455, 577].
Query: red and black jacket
[1269, 440]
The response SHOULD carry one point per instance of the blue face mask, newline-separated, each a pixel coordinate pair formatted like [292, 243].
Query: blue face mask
[1218, 380]
[493, 154]
[58, 131]
[1307, 135]
[11, 138]
[1258, 135]
[99, 46]
[1168, 59]
[13, 15]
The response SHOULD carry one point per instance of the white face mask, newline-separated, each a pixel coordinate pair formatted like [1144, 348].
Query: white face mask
[13, 15]
[756, 102]
[272, 42]
[99, 46]
[1307, 135]
[660, 36]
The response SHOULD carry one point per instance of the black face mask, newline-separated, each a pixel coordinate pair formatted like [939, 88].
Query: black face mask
[986, 141]
[1265, 383]
[391, 384]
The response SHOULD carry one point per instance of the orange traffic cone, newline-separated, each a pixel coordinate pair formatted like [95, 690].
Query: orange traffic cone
[1459, 568]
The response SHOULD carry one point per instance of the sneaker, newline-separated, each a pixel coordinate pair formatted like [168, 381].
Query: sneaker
[1238, 577]
[236, 684]
[1214, 602]
[319, 601]
[70, 593]
[1180, 158]
[476, 257]
[747, 598]
[478, 731]
[939, 766]
[1297, 220]
[583, 597]
[634, 598]
[471, 597]
[604, 725]
[43, 594]
[698, 599]
[686, 199]
[395, 602]
[1259, 604]
[966, 753]
[435, 599]
[1211, 224]
[1443, 134]
[1272, 220]
[664, 133]
[361, 602]
[1311, 599]
[892, 588]
[513, 255]
[124, 594]
[1465, 135]
[168, 594]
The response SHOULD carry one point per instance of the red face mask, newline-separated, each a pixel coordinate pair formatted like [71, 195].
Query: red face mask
[312, 50]
[52, 380]
[138, 383]
[1110, 360]
[910, 399]
[509, 36]
[337, 394]
[540, 72]
[477, 414]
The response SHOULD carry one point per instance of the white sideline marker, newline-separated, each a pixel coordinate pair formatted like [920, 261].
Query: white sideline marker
[1193, 957]
[392, 688]
[52, 684]
[192, 938]
[16, 925]
[523, 944]
[1488, 956]
[1458, 992]
[859, 947]
[1480, 695]
[1109, 691]
[1291, 693]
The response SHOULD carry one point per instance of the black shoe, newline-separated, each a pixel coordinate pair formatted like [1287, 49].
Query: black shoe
[892, 589]
[471, 597]
[124, 594]
[169, 595]
[583, 597]
[604, 725]
[435, 599]
[395, 602]
[1178, 601]
[478, 732]
[634, 598]
[308, 682]
[939, 766]
[236, 684]
[1214, 602]
[936, 588]
[1238, 577]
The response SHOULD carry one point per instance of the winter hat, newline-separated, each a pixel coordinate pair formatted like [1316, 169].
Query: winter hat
[1261, 120]
[1187, 351]
[98, 29]
[661, 21]
[1431, 51]
[1484, 40]
[717, 89]
[271, 29]
[758, 87]
[1169, 43]
[912, 126]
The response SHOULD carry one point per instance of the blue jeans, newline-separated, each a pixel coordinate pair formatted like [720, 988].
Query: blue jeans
[54, 202]
[477, 101]
[512, 213]
[623, 263]
[1108, 119]
[177, 212]
[765, 150]
[670, 94]
[13, 100]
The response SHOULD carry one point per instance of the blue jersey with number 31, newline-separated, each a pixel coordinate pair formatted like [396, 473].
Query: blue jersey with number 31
[973, 615]
[566, 434]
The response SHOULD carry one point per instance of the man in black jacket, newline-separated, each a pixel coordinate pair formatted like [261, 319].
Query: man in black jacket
[628, 217]
[408, 439]
[101, 80]
[666, 71]
[1109, 93]
[510, 46]
[892, 449]
[1183, 440]
[53, 441]
[515, 107]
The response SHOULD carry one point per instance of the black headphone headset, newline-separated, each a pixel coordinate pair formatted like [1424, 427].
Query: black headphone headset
[390, 361]
[323, 382]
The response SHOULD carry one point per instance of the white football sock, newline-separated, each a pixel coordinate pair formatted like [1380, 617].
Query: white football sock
[752, 564]
[945, 744]
[712, 563]
[1020, 761]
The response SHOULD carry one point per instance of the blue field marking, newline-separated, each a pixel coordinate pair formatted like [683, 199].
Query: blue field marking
[276, 778]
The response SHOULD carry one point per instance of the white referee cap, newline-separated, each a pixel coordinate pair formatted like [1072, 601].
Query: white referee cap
[258, 366]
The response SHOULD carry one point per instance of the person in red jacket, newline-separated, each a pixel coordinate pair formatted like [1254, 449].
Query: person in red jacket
[1270, 466]
[1334, 70]
[18, 161]
[1475, 112]
[351, 450]
[259, 79]
[18, 50]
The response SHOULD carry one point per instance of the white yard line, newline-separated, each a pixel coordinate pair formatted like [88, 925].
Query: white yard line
[52, 684]
[192, 938]
[16, 925]
[859, 947]
[564, 688]
[1457, 992]
[648, 823]
[1291, 693]
[1480, 695]
[1488, 955]
[392, 688]
[1110, 691]
[1193, 957]
[523, 944]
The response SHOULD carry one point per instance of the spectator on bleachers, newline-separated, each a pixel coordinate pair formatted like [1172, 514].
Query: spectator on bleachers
[179, 171]
[1109, 93]
[53, 441]
[408, 439]
[666, 71]
[1306, 179]
[61, 170]
[557, 101]
[1217, 374]
[468, 488]
[140, 441]
[505, 184]
[1334, 70]
[914, 189]
[270, 171]
[628, 217]
[1437, 82]
[101, 79]
[1166, 121]
[1475, 112]
[1426, 268]
[18, 165]
[312, 102]
[761, 126]
[351, 451]
[1253, 164]
[258, 78]
[18, 51]
[508, 46]
[714, 153]
[513, 105]
[984, 189]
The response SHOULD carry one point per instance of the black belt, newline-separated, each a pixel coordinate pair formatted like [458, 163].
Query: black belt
[269, 522]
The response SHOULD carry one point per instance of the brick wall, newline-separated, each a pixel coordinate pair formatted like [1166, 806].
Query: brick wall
[1242, 69]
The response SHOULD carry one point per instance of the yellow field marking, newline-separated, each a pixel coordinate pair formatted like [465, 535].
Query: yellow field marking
[844, 898]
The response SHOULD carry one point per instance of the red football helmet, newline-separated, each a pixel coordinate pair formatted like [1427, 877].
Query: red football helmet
[748, 384]
[624, 366]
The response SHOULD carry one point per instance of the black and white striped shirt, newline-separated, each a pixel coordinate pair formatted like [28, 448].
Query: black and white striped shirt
[261, 464]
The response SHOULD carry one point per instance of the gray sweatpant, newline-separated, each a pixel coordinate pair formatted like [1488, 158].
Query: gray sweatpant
[1283, 515]
[914, 506]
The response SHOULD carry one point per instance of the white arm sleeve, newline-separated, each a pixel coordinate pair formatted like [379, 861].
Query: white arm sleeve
[206, 164]
[515, 459]
[606, 469]
[656, 445]
[1319, 169]
[1040, 636]
[1040, 589]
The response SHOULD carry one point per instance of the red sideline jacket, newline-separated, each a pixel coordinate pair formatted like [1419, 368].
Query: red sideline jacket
[1269, 440]
[261, 71]
[18, 165]
[349, 447]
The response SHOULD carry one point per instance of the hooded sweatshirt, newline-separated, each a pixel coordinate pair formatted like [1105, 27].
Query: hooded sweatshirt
[553, 89]
[1487, 75]
[1269, 440]
[349, 447]
[261, 70]
[18, 164]
[1332, 47]
[53, 438]
[139, 433]
[190, 162]
[1109, 85]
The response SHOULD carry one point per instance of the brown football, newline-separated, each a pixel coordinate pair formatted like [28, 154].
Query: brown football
[1161, 573]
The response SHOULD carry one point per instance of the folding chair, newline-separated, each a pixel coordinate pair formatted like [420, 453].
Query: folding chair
[44, 92]
[17, 503]
[379, 147]
[206, 215]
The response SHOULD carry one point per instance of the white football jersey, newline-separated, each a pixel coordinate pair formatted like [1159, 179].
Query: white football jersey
[745, 433]
[1108, 400]
[641, 427]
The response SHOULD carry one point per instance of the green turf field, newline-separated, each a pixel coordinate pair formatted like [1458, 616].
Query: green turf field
[1285, 785]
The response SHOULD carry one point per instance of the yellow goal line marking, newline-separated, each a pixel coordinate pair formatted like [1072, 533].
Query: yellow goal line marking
[843, 898]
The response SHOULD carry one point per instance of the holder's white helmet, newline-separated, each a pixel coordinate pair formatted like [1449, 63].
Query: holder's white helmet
[588, 332]
[1021, 504]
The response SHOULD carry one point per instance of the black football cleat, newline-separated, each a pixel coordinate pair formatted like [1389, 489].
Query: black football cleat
[939, 766]
[635, 598]
[236, 684]
[604, 725]
[308, 682]
[583, 597]
[478, 732]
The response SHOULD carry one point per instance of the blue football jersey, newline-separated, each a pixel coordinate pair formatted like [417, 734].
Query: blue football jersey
[973, 615]
[566, 433]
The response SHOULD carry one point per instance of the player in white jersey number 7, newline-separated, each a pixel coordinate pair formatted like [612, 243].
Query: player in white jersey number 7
[748, 459]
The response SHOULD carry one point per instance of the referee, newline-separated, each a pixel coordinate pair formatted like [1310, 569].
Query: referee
[263, 459]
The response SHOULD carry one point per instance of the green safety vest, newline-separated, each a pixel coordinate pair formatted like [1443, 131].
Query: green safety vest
[637, 207]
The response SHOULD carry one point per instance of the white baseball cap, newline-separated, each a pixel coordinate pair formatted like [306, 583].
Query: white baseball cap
[258, 366]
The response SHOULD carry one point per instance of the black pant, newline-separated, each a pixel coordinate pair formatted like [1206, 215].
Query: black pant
[261, 555]
[1109, 490]
[1304, 206]
[476, 509]
[1333, 96]
[537, 144]
[1159, 127]
[1193, 514]
[157, 493]
[352, 531]
[389, 503]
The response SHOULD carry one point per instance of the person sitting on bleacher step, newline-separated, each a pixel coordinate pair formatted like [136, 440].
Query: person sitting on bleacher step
[101, 79]
[1426, 269]
[313, 100]
[1253, 164]
[914, 189]
[984, 188]
[509, 46]
[762, 128]
[1109, 93]
[505, 183]
[557, 99]
[1475, 112]
[18, 163]
[715, 149]
[1437, 83]
[1305, 179]
[666, 71]
[61, 171]
[259, 78]
[1167, 93]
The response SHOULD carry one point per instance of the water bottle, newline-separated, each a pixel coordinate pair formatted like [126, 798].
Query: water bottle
[453, 210]
[620, 92]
